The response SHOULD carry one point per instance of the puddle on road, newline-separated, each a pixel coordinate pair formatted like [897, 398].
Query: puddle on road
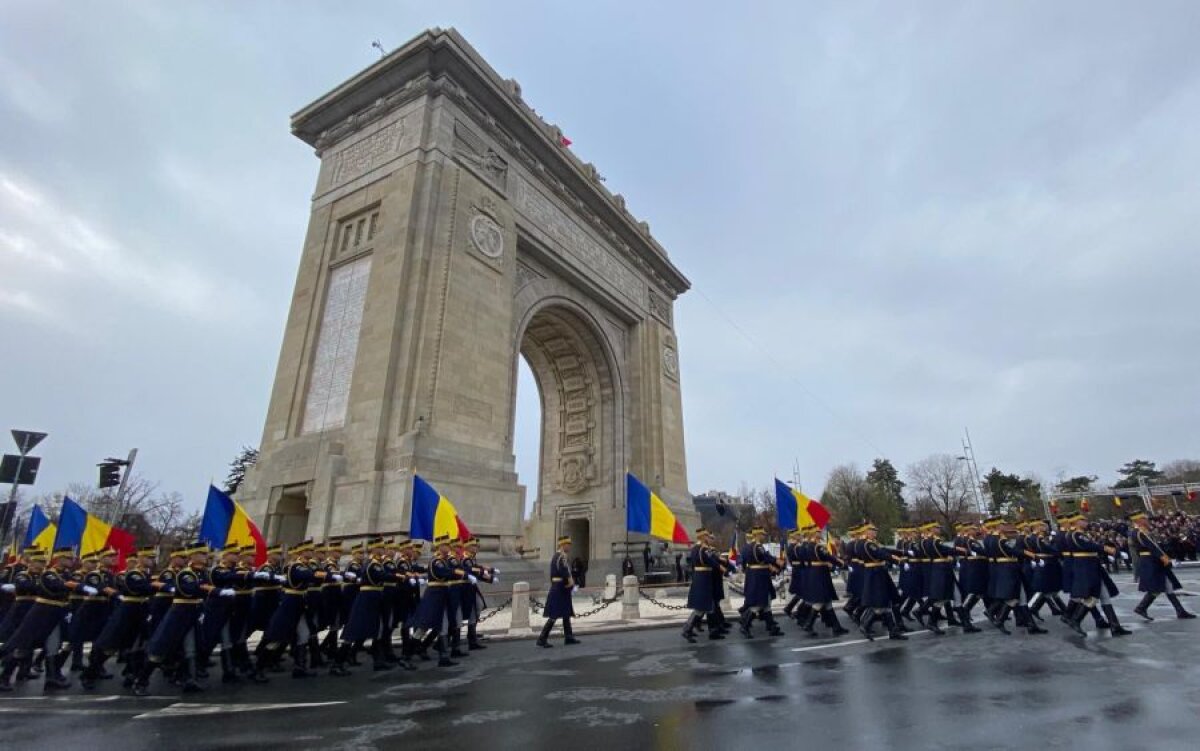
[479, 718]
[597, 717]
[412, 707]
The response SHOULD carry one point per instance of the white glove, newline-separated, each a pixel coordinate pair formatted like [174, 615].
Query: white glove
[67, 619]
[495, 571]
[411, 580]
[200, 620]
[337, 577]
[350, 576]
[495, 579]
[280, 578]
[8, 588]
[907, 567]
[262, 575]
[89, 591]
[575, 588]
[422, 581]
[471, 578]
[225, 592]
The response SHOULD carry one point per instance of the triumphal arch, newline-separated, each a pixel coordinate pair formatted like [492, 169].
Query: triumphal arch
[451, 233]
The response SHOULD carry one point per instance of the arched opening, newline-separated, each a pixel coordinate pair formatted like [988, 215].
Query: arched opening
[565, 439]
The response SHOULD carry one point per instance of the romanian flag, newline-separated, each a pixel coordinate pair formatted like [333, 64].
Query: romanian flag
[433, 515]
[646, 513]
[79, 529]
[795, 510]
[225, 523]
[41, 531]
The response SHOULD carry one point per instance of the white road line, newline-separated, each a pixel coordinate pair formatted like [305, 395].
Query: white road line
[831, 645]
[190, 710]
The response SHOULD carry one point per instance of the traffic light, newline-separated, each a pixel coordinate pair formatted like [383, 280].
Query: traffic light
[110, 475]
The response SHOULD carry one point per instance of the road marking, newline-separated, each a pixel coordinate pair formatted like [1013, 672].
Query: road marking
[831, 645]
[184, 709]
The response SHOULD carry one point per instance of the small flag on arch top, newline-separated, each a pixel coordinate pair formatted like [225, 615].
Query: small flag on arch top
[645, 512]
[794, 510]
[433, 515]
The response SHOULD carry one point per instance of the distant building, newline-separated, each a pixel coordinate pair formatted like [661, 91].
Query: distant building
[719, 512]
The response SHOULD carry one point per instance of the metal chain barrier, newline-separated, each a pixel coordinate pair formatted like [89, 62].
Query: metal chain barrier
[663, 605]
[534, 605]
[494, 611]
[604, 604]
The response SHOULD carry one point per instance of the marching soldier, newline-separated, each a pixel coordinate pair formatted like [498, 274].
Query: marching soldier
[909, 581]
[1047, 570]
[705, 564]
[973, 573]
[818, 582]
[91, 611]
[332, 594]
[472, 598]
[21, 587]
[716, 619]
[290, 624]
[125, 631]
[854, 573]
[363, 622]
[217, 609]
[45, 623]
[263, 603]
[1155, 576]
[941, 589]
[1005, 578]
[792, 559]
[759, 567]
[181, 628]
[439, 610]
[240, 613]
[558, 599]
[1090, 582]
[878, 591]
[412, 576]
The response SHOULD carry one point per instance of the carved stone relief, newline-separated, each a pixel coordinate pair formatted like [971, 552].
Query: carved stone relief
[360, 157]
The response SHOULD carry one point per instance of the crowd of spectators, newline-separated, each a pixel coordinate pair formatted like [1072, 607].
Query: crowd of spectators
[1178, 534]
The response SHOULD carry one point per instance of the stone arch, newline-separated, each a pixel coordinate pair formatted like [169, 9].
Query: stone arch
[580, 376]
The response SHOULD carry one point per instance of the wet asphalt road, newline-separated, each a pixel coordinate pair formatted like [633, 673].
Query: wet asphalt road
[650, 690]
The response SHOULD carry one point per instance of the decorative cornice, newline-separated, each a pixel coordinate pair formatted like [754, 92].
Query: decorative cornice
[439, 62]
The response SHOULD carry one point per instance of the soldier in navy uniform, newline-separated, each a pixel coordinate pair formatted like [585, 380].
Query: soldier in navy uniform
[125, 631]
[472, 597]
[704, 564]
[878, 591]
[263, 603]
[412, 575]
[164, 594]
[181, 628]
[454, 602]
[21, 587]
[238, 627]
[314, 601]
[558, 599]
[941, 589]
[216, 609]
[362, 623]
[973, 576]
[1046, 568]
[351, 581]
[854, 572]
[92, 611]
[716, 619]
[44, 624]
[289, 626]
[1005, 587]
[912, 589]
[438, 609]
[759, 567]
[804, 554]
[797, 607]
[7, 589]
[331, 597]
[389, 602]
[818, 582]
[1155, 576]
[1090, 581]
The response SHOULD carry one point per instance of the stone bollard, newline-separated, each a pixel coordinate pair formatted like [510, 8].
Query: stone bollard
[520, 609]
[610, 587]
[631, 599]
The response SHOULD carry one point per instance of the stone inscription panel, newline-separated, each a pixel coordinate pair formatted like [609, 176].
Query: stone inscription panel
[360, 157]
[584, 248]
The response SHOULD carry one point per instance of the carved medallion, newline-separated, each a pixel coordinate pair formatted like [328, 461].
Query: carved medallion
[486, 236]
[573, 479]
[671, 361]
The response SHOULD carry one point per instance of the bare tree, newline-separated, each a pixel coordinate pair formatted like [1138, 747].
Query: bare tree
[1181, 470]
[939, 489]
[852, 498]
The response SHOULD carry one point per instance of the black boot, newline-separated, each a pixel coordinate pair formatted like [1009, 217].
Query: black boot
[455, 644]
[1114, 625]
[865, 624]
[809, 621]
[1001, 616]
[900, 624]
[6, 674]
[569, 633]
[544, 640]
[300, 663]
[689, 628]
[893, 627]
[228, 670]
[772, 625]
[77, 658]
[931, 623]
[473, 642]
[792, 603]
[716, 628]
[443, 660]
[1061, 606]
[920, 613]
[964, 617]
[339, 661]
[906, 609]
[1099, 619]
[141, 684]
[744, 623]
[54, 678]
[951, 615]
[379, 661]
[1179, 611]
[188, 673]
[1030, 624]
[1076, 612]
[93, 671]
[830, 619]
[1144, 606]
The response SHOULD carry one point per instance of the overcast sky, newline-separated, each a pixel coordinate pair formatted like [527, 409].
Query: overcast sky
[899, 220]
